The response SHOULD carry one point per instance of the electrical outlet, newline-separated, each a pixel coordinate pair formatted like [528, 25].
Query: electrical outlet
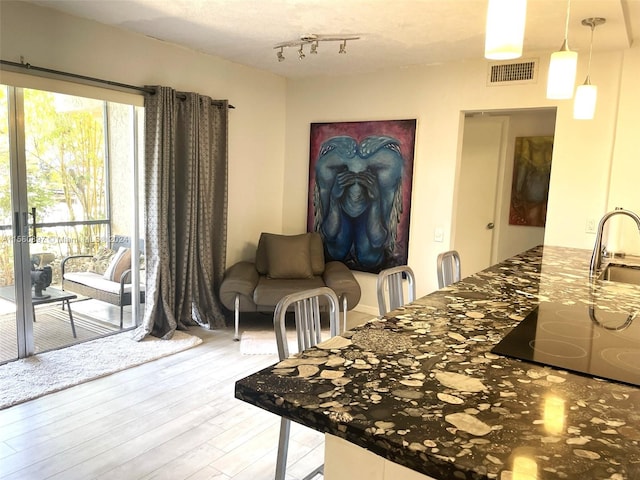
[438, 234]
[591, 225]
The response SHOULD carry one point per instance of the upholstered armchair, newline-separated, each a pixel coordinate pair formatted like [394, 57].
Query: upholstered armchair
[285, 264]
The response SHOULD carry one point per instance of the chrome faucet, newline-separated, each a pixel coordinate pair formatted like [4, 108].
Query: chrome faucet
[596, 256]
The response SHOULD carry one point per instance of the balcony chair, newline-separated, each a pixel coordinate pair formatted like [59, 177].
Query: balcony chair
[306, 308]
[448, 265]
[107, 278]
[389, 286]
[285, 264]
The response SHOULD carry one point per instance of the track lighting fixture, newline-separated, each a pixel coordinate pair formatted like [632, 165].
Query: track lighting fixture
[313, 40]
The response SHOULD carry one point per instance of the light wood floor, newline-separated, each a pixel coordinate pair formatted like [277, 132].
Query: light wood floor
[174, 418]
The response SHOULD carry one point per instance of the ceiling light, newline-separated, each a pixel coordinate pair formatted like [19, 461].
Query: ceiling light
[562, 68]
[505, 29]
[313, 40]
[584, 105]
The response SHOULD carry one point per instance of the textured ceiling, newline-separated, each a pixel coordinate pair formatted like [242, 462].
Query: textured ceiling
[394, 33]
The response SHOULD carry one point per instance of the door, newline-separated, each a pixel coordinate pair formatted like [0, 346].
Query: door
[476, 220]
[60, 181]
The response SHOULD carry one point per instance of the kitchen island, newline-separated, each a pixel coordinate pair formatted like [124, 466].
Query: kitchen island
[422, 388]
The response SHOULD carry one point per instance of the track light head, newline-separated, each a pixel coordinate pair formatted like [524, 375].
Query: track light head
[280, 55]
[343, 47]
[301, 54]
[314, 48]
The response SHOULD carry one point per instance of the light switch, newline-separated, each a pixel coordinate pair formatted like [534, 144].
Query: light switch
[438, 234]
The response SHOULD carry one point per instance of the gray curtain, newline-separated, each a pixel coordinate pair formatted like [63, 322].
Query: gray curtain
[186, 211]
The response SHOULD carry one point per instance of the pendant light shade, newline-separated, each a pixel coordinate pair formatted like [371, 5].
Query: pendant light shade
[562, 68]
[562, 74]
[505, 29]
[584, 105]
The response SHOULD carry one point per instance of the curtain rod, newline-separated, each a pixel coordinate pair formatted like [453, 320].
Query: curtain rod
[50, 73]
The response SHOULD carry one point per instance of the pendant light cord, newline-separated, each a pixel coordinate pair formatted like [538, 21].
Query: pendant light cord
[588, 80]
[566, 22]
[565, 42]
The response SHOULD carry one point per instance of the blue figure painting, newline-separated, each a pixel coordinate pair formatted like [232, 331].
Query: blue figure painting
[360, 191]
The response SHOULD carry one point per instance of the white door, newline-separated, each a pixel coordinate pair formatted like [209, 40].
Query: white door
[476, 220]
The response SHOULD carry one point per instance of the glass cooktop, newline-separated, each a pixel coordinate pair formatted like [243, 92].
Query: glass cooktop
[581, 338]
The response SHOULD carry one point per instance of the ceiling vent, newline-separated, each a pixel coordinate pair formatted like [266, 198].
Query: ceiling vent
[513, 73]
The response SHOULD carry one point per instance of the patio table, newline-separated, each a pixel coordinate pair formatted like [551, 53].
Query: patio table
[54, 295]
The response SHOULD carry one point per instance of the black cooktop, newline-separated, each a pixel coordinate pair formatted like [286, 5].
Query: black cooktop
[582, 338]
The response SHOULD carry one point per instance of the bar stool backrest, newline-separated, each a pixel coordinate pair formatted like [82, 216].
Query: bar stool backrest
[390, 287]
[448, 266]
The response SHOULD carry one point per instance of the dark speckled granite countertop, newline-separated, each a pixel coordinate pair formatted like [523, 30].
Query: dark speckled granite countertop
[421, 387]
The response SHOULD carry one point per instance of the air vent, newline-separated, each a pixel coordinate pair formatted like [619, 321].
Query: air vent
[523, 71]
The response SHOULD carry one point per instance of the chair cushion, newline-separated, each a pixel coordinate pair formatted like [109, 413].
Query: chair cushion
[98, 282]
[288, 256]
[124, 264]
[316, 252]
[270, 291]
[120, 262]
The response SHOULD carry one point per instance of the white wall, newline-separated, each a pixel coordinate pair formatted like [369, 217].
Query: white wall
[46, 38]
[437, 96]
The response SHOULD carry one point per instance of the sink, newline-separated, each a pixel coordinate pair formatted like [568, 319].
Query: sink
[614, 272]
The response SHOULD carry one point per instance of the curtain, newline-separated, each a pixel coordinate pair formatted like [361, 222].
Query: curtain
[186, 211]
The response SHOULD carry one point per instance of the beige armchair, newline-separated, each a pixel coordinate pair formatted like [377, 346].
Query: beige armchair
[285, 264]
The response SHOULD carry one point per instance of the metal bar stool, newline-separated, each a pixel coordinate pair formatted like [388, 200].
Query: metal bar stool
[306, 308]
[392, 279]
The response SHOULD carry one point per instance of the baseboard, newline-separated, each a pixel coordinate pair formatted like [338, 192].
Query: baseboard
[373, 311]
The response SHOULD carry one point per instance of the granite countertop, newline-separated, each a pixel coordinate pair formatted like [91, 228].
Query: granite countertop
[422, 388]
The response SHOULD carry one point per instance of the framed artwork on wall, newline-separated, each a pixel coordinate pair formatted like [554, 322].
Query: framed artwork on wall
[530, 184]
[360, 179]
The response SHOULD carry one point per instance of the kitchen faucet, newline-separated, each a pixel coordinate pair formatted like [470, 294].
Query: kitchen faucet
[596, 256]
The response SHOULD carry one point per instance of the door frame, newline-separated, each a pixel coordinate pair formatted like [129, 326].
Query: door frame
[20, 222]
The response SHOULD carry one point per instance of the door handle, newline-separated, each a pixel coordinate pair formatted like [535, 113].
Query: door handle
[490, 226]
[33, 225]
[24, 228]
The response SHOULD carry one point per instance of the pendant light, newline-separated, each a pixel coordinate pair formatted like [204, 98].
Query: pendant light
[562, 68]
[505, 29]
[584, 105]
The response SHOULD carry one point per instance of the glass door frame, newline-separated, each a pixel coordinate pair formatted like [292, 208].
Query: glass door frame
[20, 220]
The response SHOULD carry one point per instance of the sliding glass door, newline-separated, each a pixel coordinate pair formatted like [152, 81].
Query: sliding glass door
[69, 203]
